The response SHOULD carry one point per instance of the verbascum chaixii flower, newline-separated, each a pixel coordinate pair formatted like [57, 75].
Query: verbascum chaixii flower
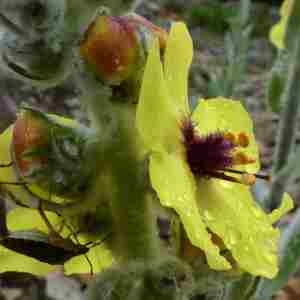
[201, 163]
[277, 33]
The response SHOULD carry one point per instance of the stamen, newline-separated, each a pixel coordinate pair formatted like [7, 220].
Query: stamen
[229, 136]
[247, 180]
[257, 175]
[241, 158]
[13, 183]
[6, 165]
[243, 140]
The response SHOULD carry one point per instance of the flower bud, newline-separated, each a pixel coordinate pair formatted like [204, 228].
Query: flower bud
[114, 47]
[30, 134]
[50, 152]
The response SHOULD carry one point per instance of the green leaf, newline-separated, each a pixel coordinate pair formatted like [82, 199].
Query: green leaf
[275, 88]
[289, 252]
[277, 81]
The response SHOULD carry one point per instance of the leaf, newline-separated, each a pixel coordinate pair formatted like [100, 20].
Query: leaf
[277, 81]
[275, 88]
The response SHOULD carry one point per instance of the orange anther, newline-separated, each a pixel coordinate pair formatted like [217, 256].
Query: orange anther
[248, 179]
[229, 136]
[243, 139]
[241, 158]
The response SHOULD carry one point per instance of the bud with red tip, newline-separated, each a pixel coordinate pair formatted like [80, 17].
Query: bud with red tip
[51, 153]
[115, 48]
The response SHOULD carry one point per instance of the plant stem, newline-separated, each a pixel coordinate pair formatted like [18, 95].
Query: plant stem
[236, 45]
[131, 207]
[287, 125]
[122, 172]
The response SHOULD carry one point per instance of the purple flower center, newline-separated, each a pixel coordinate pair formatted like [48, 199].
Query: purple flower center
[208, 154]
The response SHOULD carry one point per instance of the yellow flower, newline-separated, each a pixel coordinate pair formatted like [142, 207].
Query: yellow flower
[195, 161]
[277, 32]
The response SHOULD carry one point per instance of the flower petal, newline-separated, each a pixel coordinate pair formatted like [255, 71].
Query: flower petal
[277, 32]
[230, 212]
[21, 218]
[13, 261]
[221, 114]
[177, 61]
[287, 204]
[25, 219]
[156, 116]
[176, 188]
[100, 257]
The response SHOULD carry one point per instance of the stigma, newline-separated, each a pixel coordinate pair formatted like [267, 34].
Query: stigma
[216, 155]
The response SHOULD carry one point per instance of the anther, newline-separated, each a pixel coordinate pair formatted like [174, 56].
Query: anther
[249, 175]
[13, 183]
[229, 136]
[7, 165]
[248, 179]
[241, 158]
[243, 139]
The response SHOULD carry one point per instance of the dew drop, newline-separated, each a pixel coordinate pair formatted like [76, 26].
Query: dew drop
[231, 240]
[256, 213]
[58, 177]
[269, 257]
[208, 216]
[70, 148]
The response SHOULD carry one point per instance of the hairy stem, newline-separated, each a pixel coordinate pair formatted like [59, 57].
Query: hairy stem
[131, 207]
[123, 176]
[287, 125]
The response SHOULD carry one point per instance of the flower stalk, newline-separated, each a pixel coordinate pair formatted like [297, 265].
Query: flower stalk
[125, 181]
[287, 125]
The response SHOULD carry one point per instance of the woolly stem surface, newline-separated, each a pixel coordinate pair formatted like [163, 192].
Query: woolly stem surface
[123, 178]
[287, 126]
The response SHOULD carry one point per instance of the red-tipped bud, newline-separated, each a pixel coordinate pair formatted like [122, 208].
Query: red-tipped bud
[30, 137]
[114, 46]
[49, 152]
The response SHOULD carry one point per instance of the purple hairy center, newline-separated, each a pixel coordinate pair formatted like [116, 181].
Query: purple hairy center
[206, 154]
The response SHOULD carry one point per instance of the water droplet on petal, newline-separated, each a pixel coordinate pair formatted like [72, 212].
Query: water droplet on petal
[208, 216]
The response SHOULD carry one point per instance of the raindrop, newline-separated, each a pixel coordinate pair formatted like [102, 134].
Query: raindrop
[233, 238]
[256, 213]
[70, 148]
[208, 216]
[269, 257]
[58, 177]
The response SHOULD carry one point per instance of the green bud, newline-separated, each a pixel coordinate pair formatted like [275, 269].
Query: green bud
[52, 153]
